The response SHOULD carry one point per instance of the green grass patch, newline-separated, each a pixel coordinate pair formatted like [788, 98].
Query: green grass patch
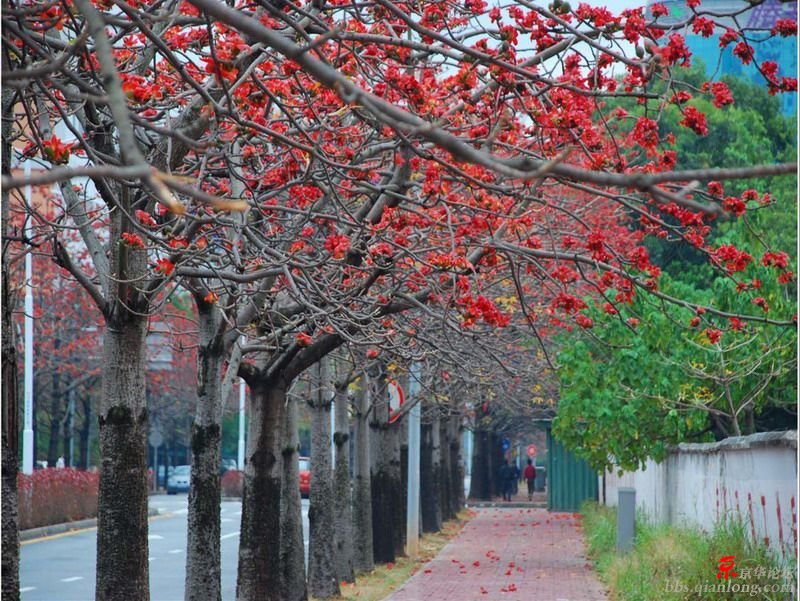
[675, 564]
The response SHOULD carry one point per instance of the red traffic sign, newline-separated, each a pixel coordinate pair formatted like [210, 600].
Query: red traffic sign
[531, 450]
[396, 400]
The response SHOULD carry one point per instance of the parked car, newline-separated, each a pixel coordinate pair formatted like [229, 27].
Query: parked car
[179, 478]
[305, 476]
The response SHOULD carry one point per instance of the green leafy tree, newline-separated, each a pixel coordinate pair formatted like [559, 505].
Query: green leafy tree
[638, 384]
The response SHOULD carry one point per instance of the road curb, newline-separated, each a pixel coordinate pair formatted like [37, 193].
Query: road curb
[43, 531]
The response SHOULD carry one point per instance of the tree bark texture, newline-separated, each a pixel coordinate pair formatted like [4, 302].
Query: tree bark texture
[456, 465]
[322, 581]
[363, 559]
[342, 497]
[480, 487]
[203, 578]
[443, 468]
[10, 429]
[122, 569]
[430, 491]
[385, 473]
[292, 550]
[258, 577]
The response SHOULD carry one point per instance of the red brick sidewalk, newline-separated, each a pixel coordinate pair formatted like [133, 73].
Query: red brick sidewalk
[509, 554]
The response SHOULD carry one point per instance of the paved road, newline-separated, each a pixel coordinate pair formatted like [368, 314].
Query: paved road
[62, 567]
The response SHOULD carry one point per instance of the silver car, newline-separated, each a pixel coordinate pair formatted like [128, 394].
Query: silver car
[179, 479]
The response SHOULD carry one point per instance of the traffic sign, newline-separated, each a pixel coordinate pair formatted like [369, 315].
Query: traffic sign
[156, 439]
[396, 400]
[531, 450]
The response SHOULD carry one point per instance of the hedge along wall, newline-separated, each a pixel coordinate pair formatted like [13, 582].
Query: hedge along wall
[751, 477]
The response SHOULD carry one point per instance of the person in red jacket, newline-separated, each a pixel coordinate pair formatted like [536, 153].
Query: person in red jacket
[530, 475]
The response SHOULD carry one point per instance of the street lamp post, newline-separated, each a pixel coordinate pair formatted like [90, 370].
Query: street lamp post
[240, 455]
[414, 418]
[27, 432]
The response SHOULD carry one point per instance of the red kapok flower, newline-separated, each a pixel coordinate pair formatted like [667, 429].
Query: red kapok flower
[55, 150]
[785, 27]
[165, 266]
[721, 93]
[695, 120]
[132, 240]
[145, 218]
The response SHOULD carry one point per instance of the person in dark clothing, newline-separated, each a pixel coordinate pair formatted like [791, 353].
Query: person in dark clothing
[530, 476]
[507, 480]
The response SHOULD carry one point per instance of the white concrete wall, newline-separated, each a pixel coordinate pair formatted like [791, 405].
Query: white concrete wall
[752, 477]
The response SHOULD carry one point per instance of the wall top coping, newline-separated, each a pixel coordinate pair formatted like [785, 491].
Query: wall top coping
[740, 443]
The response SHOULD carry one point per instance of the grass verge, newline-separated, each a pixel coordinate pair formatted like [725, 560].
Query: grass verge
[676, 564]
[386, 578]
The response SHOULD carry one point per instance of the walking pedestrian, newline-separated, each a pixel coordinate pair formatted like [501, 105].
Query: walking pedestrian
[506, 480]
[530, 476]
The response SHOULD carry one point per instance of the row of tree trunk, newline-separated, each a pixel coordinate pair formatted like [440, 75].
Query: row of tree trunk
[354, 522]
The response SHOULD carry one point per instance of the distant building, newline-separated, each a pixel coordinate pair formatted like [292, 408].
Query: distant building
[757, 23]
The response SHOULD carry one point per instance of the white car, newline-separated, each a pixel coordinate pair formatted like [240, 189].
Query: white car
[179, 479]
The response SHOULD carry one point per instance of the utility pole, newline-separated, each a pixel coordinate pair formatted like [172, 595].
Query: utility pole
[412, 513]
[27, 432]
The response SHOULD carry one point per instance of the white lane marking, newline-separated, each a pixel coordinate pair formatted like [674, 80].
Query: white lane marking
[72, 579]
[154, 537]
[229, 535]
[25, 589]
[174, 551]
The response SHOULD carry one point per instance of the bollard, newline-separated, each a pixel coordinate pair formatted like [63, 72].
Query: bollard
[626, 519]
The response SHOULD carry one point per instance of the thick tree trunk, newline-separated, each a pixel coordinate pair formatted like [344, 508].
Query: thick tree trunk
[480, 487]
[8, 383]
[322, 581]
[456, 466]
[10, 413]
[342, 497]
[380, 473]
[292, 550]
[203, 544]
[387, 485]
[258, 577]
[363, 559]
[122, 570]
[429, 469]
[443, 472]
